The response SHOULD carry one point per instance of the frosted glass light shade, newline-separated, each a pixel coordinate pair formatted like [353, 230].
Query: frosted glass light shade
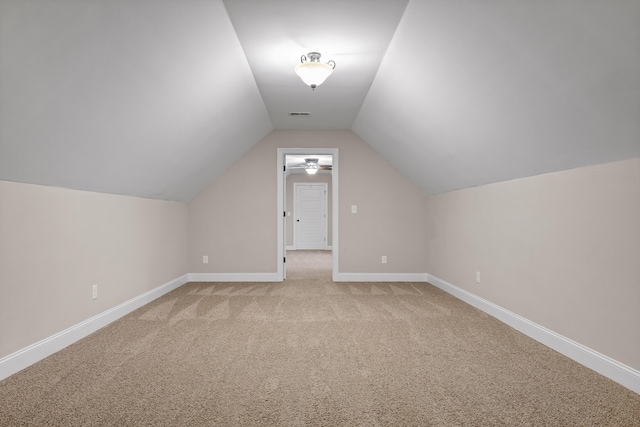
[311, 169]
[313, 73]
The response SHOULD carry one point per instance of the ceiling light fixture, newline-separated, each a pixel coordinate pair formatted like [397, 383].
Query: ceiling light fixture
[312, 166]
[312, 71]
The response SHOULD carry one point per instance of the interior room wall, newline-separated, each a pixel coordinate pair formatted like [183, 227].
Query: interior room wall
[56, 243]
[233, 221]
[306, 178]
[560, 249]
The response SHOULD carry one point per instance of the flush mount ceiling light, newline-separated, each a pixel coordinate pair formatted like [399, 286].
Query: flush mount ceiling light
[312, 71]
[311, 169]
[312, 166]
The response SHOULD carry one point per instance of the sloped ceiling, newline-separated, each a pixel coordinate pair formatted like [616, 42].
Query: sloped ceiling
[473, 92]
[144, 98]
[156, 98]
[355, 34]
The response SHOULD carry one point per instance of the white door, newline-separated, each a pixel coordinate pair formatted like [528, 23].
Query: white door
[310, 225]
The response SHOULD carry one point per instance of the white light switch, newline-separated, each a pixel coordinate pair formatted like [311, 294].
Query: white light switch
[205, 259]
[354, 209]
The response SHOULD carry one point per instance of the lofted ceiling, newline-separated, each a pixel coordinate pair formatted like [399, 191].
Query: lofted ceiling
[156, 98]
[475, 92]
[146, 98]
[274, 34]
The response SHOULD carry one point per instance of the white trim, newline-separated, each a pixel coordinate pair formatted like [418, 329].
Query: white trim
[293, 248]
[27, 356]
[282, 152]
[234, 277]
[604, 365]
[610, 368]
[381, 277]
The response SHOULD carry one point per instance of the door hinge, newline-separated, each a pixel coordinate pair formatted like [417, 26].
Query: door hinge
[285, 214]
[284, 259]
[284, 168]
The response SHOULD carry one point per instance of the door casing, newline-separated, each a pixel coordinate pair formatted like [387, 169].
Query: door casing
[281, 209]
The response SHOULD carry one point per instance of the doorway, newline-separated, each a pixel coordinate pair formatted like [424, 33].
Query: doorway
[285, 216]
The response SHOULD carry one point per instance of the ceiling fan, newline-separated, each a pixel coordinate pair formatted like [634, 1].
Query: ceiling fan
[311, 166]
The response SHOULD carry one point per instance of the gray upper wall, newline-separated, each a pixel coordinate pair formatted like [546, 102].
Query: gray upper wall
[150, 99]
[471, 93]
[157, 99]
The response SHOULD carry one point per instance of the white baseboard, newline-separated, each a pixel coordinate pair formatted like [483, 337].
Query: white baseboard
[341, 277]
[293, 248]
[234, 277]
[381, 277]
[27, 356]
[600, 363]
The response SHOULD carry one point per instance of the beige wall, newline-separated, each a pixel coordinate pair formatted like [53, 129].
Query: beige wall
[56, 243]
[561, 249]
[306, 178]
[234, 220]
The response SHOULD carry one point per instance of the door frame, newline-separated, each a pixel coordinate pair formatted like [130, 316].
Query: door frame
[325, 213]
[281, 207]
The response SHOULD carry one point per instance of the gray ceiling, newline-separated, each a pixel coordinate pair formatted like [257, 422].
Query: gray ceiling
[275, 33]
[157, 98]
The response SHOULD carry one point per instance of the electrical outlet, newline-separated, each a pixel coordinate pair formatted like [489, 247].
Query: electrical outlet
[205, 259]
[354, 209]
[477, 277]
[384, 259]
[94, 292]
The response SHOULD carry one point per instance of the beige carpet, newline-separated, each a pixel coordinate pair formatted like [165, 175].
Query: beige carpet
[311, 352]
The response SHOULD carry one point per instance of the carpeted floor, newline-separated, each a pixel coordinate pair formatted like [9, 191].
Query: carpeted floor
[311, 352]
